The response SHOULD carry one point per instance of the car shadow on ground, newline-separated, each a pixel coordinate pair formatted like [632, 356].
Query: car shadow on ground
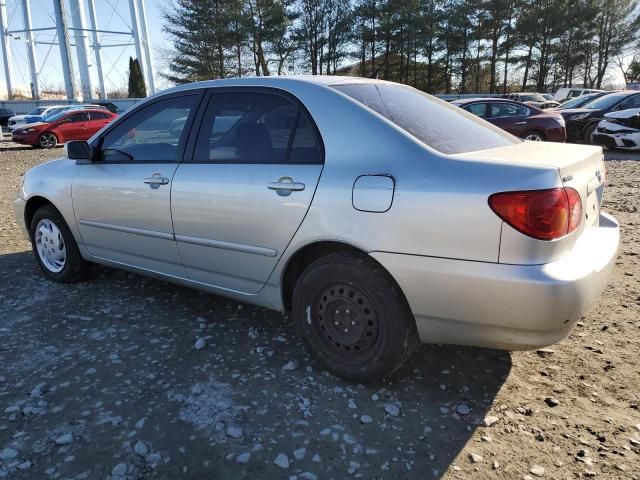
[113, 362]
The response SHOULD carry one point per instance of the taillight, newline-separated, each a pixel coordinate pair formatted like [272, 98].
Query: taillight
[542, 214]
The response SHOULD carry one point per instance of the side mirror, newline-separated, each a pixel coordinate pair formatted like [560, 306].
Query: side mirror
[78, 150]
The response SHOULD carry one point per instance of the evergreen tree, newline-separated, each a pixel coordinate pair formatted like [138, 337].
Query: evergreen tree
[137, 87]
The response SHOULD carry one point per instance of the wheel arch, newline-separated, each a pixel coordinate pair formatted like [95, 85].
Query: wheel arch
[307, 254]
[32, 206]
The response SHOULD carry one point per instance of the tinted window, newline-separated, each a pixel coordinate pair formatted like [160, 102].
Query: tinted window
[478, 109]
[246, 128]
[37, 111]
[506, 110]
[306, 146]
[98, 116]
[5, 112]
[441, 126]
[533, 97]
[78, 117]
[633, 102]
[151, 134]
[607, 101]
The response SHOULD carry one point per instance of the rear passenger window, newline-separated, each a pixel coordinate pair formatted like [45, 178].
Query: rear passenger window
[255, 128]
[306, 147]
[98, 116]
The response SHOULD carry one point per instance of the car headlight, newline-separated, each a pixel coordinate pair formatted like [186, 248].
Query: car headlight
[579, 116]
[28, 130]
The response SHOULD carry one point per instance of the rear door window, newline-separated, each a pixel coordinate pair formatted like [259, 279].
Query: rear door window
[443, 127]
[506, 110]
[255, 127]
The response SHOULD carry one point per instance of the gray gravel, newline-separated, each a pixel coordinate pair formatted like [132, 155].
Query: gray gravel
[102, 380]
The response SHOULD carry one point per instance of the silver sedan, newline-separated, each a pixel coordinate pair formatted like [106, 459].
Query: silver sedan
[378, 215]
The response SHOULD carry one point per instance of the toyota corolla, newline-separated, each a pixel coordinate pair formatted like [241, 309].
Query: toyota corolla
[378, 215]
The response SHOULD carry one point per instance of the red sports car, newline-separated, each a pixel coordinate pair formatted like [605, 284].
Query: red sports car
[62, 127]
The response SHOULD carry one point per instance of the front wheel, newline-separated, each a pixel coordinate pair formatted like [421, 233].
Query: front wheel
[353, 317]
[588, 133]
[55, 248]
[47, 140]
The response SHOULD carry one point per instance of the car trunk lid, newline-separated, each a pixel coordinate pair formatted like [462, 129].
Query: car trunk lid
[580, 167]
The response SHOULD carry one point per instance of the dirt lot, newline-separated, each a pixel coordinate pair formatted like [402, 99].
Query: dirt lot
[102, 380]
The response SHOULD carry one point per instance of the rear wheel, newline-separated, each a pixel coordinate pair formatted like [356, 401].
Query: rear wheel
[534, 136]
[47, 140]
[353, 317]
[54, 247]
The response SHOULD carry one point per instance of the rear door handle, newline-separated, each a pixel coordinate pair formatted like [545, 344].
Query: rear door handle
[520, 123]
[285, 185]
[155, 180]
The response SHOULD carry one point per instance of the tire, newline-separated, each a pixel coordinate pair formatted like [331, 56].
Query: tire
[588, 132]
[534, 136]
[47, 140]
[54, 247]
[352, 292]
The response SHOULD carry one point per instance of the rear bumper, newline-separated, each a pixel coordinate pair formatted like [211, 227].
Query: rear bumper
[509, 307]
[557, 134]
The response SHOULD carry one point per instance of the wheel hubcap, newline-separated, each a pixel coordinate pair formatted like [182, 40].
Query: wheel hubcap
[47, 140]
[50, 246]
[347, 321]
[534, 138]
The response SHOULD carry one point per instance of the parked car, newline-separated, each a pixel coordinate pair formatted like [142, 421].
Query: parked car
[18, 120]
[534, 99]
[519, 119]
[567, 93]
[62, 127]
[4, 117]
[49, 112]
[375, 213]
[619, 130]
[580, 101]
[38, 114]
[582, 122]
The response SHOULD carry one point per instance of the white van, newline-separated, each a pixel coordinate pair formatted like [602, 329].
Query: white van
[567, 93]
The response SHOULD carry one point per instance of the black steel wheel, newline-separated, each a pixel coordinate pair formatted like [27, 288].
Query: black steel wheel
[353, 317]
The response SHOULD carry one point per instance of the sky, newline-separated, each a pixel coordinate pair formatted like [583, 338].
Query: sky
[112, 15]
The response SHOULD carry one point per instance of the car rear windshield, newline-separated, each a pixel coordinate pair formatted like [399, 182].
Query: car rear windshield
[443, 127]
[532, 97]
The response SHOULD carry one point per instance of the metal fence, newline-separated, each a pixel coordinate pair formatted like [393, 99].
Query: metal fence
[20, 107]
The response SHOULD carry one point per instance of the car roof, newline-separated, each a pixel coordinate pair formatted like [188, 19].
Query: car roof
[484, 99]
[276, 82]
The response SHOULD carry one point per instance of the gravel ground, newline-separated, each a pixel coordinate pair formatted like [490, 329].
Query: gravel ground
[103, 380]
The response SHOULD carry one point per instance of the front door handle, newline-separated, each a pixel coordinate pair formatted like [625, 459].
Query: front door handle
[155, 180]
[285, 185]
[520, 123]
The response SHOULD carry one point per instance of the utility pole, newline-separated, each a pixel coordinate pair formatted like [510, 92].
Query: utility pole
[97, 47]
[82, 46]
[6, 48]
[142, 12]
[65, 50]
[31, 50]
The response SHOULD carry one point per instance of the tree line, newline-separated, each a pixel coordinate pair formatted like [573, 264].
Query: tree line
[440, 46]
